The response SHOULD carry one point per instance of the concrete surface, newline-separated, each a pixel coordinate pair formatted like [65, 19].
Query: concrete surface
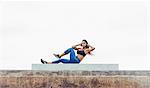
[74, 67]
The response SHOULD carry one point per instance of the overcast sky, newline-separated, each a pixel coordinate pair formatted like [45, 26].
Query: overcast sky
[31, 30]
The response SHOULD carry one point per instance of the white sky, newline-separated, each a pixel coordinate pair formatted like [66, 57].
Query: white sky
[31, 30]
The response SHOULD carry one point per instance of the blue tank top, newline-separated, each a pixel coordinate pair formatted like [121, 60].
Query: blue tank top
[81, 53]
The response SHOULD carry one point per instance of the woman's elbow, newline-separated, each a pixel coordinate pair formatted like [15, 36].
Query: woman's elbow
[93, 48]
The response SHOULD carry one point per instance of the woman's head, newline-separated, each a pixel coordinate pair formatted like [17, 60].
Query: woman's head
[84, 43]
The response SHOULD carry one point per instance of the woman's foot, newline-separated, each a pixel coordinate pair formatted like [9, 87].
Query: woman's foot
[44, 62]
[57, 55]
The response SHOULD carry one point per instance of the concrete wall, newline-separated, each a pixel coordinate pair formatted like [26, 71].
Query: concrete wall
[74, 79]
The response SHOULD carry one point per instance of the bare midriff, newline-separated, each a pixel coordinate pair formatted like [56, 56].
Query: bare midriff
[80, 56]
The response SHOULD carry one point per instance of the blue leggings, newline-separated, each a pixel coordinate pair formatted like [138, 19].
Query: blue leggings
[73, 58]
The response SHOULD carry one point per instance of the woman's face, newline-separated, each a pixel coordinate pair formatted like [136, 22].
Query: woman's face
[83, 44]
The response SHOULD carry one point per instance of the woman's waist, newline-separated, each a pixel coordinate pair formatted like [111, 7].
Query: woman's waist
[80, 57]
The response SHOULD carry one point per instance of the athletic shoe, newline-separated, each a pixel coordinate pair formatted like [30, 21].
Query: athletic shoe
[44, 62]
[57, 55]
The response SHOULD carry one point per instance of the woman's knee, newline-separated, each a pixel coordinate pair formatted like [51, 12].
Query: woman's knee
[68, 50]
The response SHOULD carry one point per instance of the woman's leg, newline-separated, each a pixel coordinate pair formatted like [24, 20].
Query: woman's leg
[64, 53]
[61, 60]
[72, 55]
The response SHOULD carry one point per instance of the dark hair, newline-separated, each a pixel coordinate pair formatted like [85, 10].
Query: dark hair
[86, 43]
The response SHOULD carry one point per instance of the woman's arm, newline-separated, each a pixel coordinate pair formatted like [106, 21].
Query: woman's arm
[91, 47]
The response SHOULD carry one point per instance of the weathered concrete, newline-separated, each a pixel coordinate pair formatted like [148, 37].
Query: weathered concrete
[74, 79]
[75, 67]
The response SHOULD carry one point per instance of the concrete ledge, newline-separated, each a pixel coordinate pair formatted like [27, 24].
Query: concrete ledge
[74, 67]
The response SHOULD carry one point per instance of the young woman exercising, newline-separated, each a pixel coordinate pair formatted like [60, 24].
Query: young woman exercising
[82, 51]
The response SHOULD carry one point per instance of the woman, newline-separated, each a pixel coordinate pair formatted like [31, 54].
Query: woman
[82, 51]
